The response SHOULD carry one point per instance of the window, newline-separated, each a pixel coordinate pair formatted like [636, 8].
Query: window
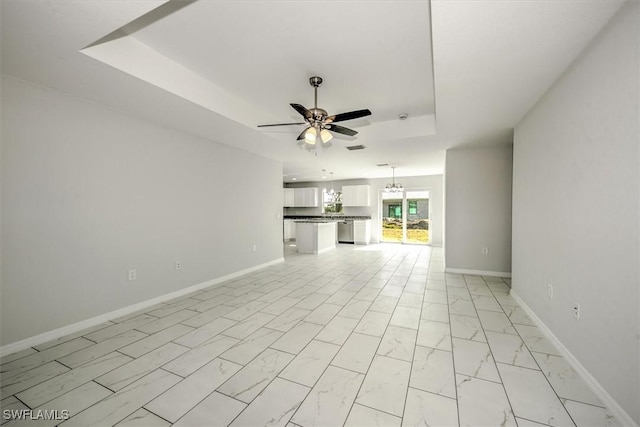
[413, 207]
[395, 211]
[331, 203]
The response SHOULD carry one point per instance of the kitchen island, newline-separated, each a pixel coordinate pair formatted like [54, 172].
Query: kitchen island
[315, 236]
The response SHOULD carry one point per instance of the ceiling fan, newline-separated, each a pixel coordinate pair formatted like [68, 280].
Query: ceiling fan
[319, 122]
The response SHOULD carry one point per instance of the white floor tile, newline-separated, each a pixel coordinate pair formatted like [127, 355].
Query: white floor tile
[30, 378]
[486, 302]
[432, 371]
[427, 409]
[483, 403]
[75, 401]
[137, 368]
[361, 416]
[330, 400]
[435, 312]
[398, 343]
[244, 351]
[11, 369]
[357, 352]
[535, 340]
[205, 332]
[496, 322]
[340, 297]
[249, 325]
[143, 418]
[156, 340]
[384, 304]
[532, 397]
[288, 319]
[199, 356]
[385, 385]
[297, 338]
[474, 359]
[434, 334]
[63, 383]
[507, 348]
[373, 323]
[309, 365]
[357, 336]
[355, 309]
[181, 398]
[120, 405]
[466, 327]
[337, 330]
[255, 376]
[405, 317]
[564, 380]
[587, 415]
[217, 410]
[323, 314]
[274, 406]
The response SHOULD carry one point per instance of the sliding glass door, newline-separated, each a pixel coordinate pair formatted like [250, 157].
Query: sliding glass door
[405, 217]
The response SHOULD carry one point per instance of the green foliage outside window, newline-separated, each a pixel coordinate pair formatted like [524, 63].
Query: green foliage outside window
[413, 207]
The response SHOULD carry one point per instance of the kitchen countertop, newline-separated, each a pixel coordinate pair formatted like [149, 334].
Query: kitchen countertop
[326, 217]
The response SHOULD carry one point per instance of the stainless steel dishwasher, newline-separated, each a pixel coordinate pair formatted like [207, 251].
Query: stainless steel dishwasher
[345, 231]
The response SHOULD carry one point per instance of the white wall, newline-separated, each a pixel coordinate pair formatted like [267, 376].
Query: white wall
[432, 183]
[89, 193]
[576, 208]
[478, 209]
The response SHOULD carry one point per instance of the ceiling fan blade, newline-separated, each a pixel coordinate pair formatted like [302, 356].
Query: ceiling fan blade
[301, 136]
[341, 129]
[303, 111]
[348, 116]
[282, 124]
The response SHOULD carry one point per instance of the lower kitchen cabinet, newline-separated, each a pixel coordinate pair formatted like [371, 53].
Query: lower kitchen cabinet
[362, 232]
[289, 230]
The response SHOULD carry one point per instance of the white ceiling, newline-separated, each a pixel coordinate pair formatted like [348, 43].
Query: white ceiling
[465, 71]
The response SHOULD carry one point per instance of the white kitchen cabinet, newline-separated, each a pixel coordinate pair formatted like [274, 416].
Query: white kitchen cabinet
[362, 232]
[305, 197]
[288, 197]
[356, 195]
[289, 230]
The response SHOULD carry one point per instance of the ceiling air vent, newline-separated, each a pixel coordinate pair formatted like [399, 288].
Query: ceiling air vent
[382, 164]
[355, 147]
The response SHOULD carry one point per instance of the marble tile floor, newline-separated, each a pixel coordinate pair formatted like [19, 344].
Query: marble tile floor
[372, 335]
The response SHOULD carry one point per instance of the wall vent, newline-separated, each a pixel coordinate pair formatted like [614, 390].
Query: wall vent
[382, 164]
[355, 147]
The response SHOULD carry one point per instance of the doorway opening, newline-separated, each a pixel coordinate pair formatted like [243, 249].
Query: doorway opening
[405, 217]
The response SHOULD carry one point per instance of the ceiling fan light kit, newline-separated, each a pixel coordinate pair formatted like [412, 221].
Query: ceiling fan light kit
[318, 121]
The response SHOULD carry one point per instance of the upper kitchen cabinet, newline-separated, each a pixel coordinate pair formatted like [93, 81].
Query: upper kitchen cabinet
[356, 195]
[289, 199]
[305, 197]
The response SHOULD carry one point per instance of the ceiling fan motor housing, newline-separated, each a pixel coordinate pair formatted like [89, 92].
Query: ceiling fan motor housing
[315, 81]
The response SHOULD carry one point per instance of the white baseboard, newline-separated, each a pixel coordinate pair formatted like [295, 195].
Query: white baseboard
[477, 272]
[88, 323]
[617, 411]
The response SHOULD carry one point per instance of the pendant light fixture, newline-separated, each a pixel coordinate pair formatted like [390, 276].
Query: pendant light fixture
[393, 188]
[332, 192]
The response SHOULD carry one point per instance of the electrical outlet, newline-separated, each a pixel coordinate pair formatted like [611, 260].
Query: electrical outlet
[484, 251]
[576, 310]
[550, 291]
[132, 274]
[178, 265]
